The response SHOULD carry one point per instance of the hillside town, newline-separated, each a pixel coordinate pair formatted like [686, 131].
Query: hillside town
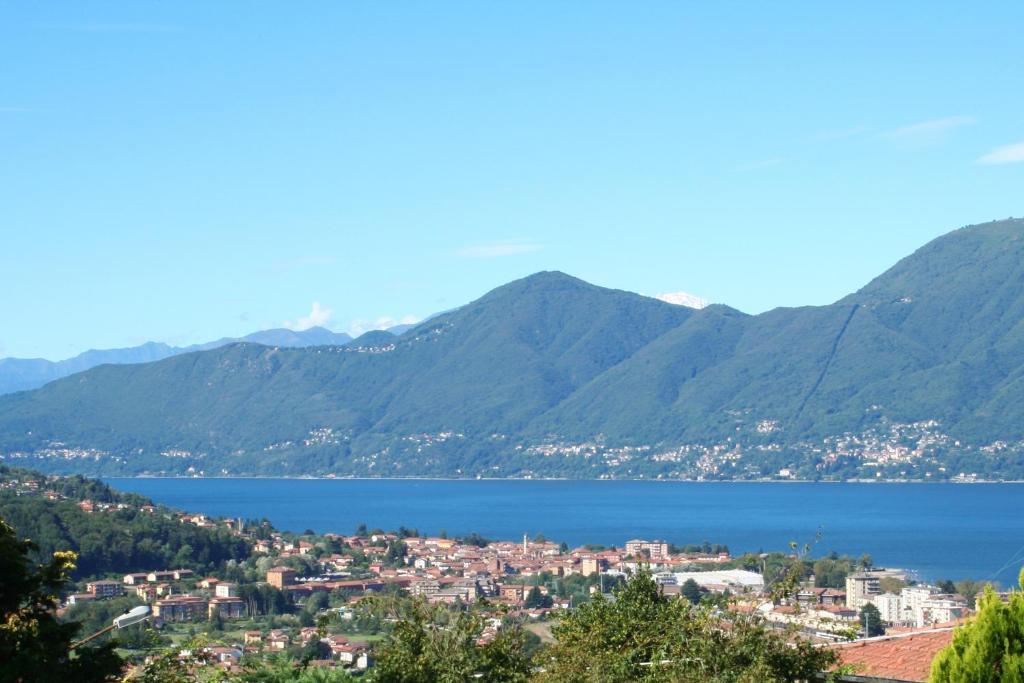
[289, 594]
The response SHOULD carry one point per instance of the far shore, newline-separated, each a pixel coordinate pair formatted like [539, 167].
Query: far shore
[528, 479]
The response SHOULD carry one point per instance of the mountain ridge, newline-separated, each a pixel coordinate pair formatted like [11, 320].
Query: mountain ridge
[21, 374]
[918, 374]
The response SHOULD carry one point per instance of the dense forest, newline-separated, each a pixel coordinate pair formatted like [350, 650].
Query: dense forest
[114, 540]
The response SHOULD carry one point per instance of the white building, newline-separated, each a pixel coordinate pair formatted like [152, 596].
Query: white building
[736, 580]
[665, 579]
[918, 606]
[941, 610]
[889, 607]
[913, 599]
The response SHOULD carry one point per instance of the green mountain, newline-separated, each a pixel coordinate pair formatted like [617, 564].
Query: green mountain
[21, 374]
[917, 375]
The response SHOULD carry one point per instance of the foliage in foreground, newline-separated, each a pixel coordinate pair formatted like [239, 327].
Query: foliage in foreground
[34, 646]
[421, 650]
[644, 636]
[988, 648]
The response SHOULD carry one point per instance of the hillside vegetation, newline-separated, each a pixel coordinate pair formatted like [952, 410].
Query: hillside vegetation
[919, 374]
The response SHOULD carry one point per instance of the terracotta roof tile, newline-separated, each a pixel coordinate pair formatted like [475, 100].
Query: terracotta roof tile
[905, 657]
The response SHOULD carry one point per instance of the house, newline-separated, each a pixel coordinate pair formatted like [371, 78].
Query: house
[591, 565]
[146, 591]
[226, 590]
[348, 653]
[79, 598]
[424, 586]
[463, 594]
[134, 579]
[180, 608]
[224, 655]
[516, 592]
[278, 640]
[279, 577]
[227, 608]
[252, 638]
[104, 589]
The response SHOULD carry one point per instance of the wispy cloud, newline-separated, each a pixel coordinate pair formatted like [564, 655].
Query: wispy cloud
[318, 317]
[497, 249]
[360, 326]
[1007, 154]
[931, 130]
[763, 163]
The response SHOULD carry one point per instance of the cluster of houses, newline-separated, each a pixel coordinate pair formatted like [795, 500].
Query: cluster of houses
[443, 570]
[914, 606]
[164, 590]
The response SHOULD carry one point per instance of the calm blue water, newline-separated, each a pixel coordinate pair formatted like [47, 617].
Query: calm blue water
[940, 530]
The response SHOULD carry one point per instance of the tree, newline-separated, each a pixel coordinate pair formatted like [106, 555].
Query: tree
[890, 584]
[691, 591]
[395, 554]
[969, 589]
[34, 646]
[535, 599]
[871, 621]
[989, 647]
[645, 636]
[421, 650]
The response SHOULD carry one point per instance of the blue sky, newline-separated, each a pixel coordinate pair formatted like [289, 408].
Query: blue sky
[183, 171]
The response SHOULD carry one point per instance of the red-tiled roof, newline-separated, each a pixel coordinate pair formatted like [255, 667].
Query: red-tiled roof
[905, 657]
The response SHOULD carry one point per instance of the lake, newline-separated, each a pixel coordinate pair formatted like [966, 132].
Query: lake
[940, 530]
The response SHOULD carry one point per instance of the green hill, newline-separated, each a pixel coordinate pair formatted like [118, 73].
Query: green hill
[918, 374]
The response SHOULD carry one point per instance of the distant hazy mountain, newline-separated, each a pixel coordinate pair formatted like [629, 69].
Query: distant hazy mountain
[19, 374]
[917, 375]
[314, 336]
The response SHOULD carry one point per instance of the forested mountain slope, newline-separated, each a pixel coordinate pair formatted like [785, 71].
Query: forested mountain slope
[919, 372]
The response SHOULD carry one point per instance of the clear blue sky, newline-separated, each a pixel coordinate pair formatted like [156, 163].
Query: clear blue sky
[180, 171]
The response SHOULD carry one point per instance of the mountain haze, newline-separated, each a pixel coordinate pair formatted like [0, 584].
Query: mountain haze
[920, 374]
[19, 374]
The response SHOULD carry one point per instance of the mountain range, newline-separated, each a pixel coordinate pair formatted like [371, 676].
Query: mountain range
[917, 375]
[20, 374]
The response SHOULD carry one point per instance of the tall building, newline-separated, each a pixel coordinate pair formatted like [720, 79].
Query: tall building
[279, 577]
[861, 587]
[656, 549]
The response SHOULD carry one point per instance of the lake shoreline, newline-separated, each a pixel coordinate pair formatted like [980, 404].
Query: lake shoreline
[940, 531]
[568, 479]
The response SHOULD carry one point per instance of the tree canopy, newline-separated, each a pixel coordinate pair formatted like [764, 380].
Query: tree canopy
[34, 645]
[988, 648]
[642, 635]
[422, 650]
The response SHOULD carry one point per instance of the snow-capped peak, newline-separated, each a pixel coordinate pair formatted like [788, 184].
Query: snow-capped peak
[682, 299]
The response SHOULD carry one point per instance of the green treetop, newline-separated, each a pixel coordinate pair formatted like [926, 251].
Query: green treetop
[988, 648]
[644, 636]
[34, 646]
